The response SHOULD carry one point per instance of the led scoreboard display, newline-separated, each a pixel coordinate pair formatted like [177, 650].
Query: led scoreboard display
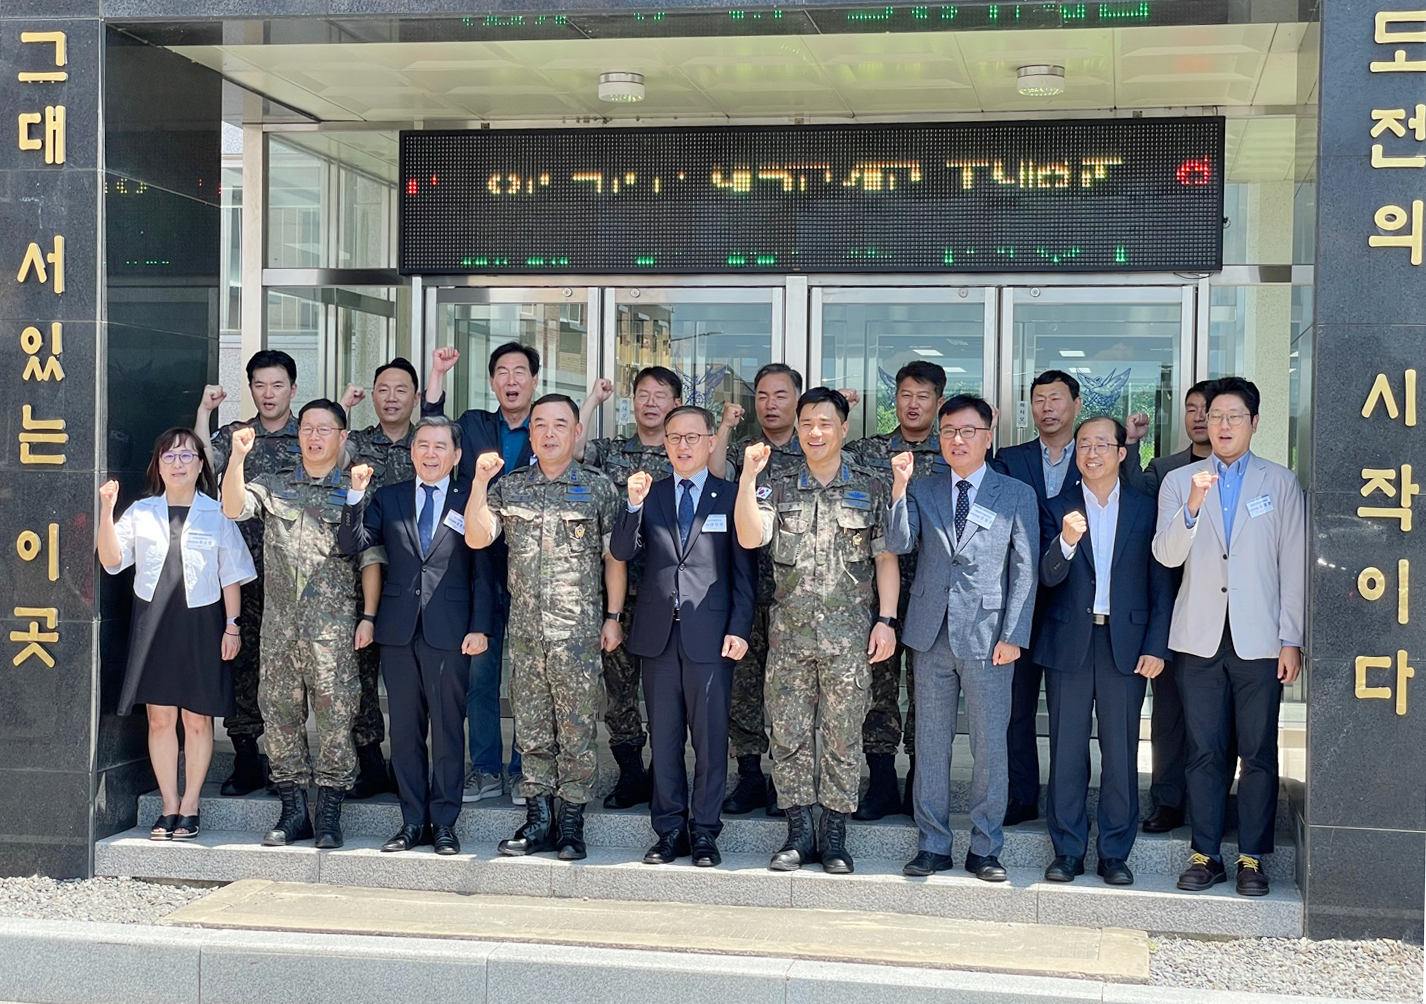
[1118, 195]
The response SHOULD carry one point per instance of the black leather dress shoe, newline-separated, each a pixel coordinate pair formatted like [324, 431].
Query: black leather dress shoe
[987, 868]
[928, 863]
[409, 836]
[1202, 873]
[1115, 871]
[670, 847]
[445, 840]
[1163, 819]
[705, 850]
[1019, 812]
[1064, 868]
[1252, 880]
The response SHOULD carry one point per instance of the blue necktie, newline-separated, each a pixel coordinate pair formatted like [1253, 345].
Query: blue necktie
[962, 507]
[685, 513]
[426, 522]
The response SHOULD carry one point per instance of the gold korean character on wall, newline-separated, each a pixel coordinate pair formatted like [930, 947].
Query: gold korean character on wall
[44, 131]
[40, 432]
[33, 343]
[29, 546]
[1372, 584]
[1382, 394]
[1365, 692]
[1400, 27]
[1392, 219]
[60, 57]
[1385, 481]
[35, 260]
[1396, 121]
[34, 638]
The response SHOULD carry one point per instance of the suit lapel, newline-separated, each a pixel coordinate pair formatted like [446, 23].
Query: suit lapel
[1130, 505]
[454, 497]
[664, 500]
[705, 502]
[984, 497]
[1036, 460]
[406, 515]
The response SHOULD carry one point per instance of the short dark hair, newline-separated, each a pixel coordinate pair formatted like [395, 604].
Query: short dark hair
[1200, 388]
[1056, 376]
[399, 363]
[153, 479]
[528, 351]
[693, 409]
[773, 369]
[924, 372]
[663, 375]
[824, 395]
[1245, 389]
[437, 422]
[324, 404]
[963, 401]
[1121, 434]
[268, 358]
[557, 399]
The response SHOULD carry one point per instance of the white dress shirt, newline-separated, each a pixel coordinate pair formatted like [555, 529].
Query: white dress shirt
[438, 497]
[214, 553]
[1103, 523]
[975, 477]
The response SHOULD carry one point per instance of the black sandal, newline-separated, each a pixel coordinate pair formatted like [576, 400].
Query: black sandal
[189, 823]
[164, 826]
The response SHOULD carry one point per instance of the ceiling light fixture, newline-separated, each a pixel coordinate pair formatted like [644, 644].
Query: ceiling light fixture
[1041, 80]
[621, 86]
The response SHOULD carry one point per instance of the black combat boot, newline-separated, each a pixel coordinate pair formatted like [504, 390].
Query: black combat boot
[248, 773]
[908, 800]
[373, 777]
[633, 787]
[801, 845]
[751, 790]
[538, 833]
[882, 797]
[836, 859]
[569, 834]
[329, 817]
[293, 824]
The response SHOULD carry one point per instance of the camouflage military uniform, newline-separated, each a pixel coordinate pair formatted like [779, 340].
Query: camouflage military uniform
[747, 728]
[823, 540]
[390, 464]
[619, 458]
[272, 453]
[556, 530]
[313, 603]
[883, 731]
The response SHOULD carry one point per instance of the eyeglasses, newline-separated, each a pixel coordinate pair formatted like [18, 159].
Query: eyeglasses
[318, 430]
[1232, 419]
[186, 457]
[691, 438]
[966, 432]
[1095, 448]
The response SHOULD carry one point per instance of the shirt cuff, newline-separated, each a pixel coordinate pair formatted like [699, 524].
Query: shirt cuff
[355, 495]
[1189, 521]
[1067, 549]
[1289, 644]
[634, 508]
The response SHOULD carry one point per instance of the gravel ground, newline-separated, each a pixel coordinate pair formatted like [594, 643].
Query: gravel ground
[110, 900]
[1370, 970]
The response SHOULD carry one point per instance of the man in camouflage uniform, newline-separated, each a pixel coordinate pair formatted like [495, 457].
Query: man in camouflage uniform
[272, 381]
[919, 387]
[386, 448]
[313, 623]
[823, 527]
[557, 516]
[657, 391]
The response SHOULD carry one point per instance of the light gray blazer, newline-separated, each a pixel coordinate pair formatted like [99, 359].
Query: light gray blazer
[1259, 583]
[985, 588]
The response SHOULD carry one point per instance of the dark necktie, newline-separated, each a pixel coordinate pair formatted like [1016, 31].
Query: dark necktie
[426, 522]
[685, 513]
[962, 507]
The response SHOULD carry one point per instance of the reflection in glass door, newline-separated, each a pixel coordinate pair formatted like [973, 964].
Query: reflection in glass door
[714, 339]
[1125, 345]
[864, 335]
[555, 321]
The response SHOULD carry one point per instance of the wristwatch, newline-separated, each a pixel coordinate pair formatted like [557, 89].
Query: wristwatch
[615, 616]
[890, 622]
[369, 617]
[236, 621]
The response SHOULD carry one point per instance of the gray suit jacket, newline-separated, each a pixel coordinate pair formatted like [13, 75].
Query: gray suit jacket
[986, 586]
[1259, 583]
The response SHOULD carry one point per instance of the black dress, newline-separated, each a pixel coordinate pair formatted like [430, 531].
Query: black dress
[175, 653]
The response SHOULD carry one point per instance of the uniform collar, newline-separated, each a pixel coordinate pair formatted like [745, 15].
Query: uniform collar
[807, 482]
[290, 429]
[298, 476]
[378, 435]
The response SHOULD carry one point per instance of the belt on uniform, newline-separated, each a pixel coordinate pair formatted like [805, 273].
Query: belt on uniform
[1100, 619]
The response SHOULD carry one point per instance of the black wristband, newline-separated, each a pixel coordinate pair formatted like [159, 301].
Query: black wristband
[369, 617]
[613, 616]
[890, 622]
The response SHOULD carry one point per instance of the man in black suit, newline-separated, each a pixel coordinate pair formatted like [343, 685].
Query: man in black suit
[693, 621]
[434, 614]
[514, 372]
[1103, 634]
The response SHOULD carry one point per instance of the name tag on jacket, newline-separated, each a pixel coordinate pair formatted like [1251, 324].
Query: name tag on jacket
[1260, 506]
[455, 521]
[981, 516]
[717, 523]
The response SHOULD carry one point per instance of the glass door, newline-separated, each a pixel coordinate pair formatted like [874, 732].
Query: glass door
[715, 339]
[556, 321]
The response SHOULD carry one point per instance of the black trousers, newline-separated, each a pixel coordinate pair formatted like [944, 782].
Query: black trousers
[1169, 743]
[685, 697]
[1096, 690]
[426, 688]
[1224, 695]
[1021, 748]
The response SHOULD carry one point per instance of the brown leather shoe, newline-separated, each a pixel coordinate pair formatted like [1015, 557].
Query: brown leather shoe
[1202, 873]
[1252, 880]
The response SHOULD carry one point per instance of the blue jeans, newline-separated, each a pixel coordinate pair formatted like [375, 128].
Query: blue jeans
[482, 703]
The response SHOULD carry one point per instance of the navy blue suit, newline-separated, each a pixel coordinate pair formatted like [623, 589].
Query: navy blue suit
[1090, 667]
[428, 605]
[690, 598]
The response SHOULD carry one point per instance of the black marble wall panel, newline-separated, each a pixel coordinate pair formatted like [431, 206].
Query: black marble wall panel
[1366, 805]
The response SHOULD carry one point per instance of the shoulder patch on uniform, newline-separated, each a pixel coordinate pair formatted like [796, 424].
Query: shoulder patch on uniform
[765, 492]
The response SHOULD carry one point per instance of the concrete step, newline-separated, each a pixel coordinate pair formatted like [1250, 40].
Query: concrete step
[1153, 904]
[482, 824]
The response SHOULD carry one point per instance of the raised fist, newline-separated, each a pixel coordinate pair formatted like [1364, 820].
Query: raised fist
[213, 395]
[361, 477]
[1073, 528]
[755, 458]
[853, 396]
[243, 441]
[639, 484]
[487, 465]
[901, 467]
[1137, 426]
[1202, 481]
[109, 494]
[732, 414]
[444, 360]
[601, 390]
[352, 396]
